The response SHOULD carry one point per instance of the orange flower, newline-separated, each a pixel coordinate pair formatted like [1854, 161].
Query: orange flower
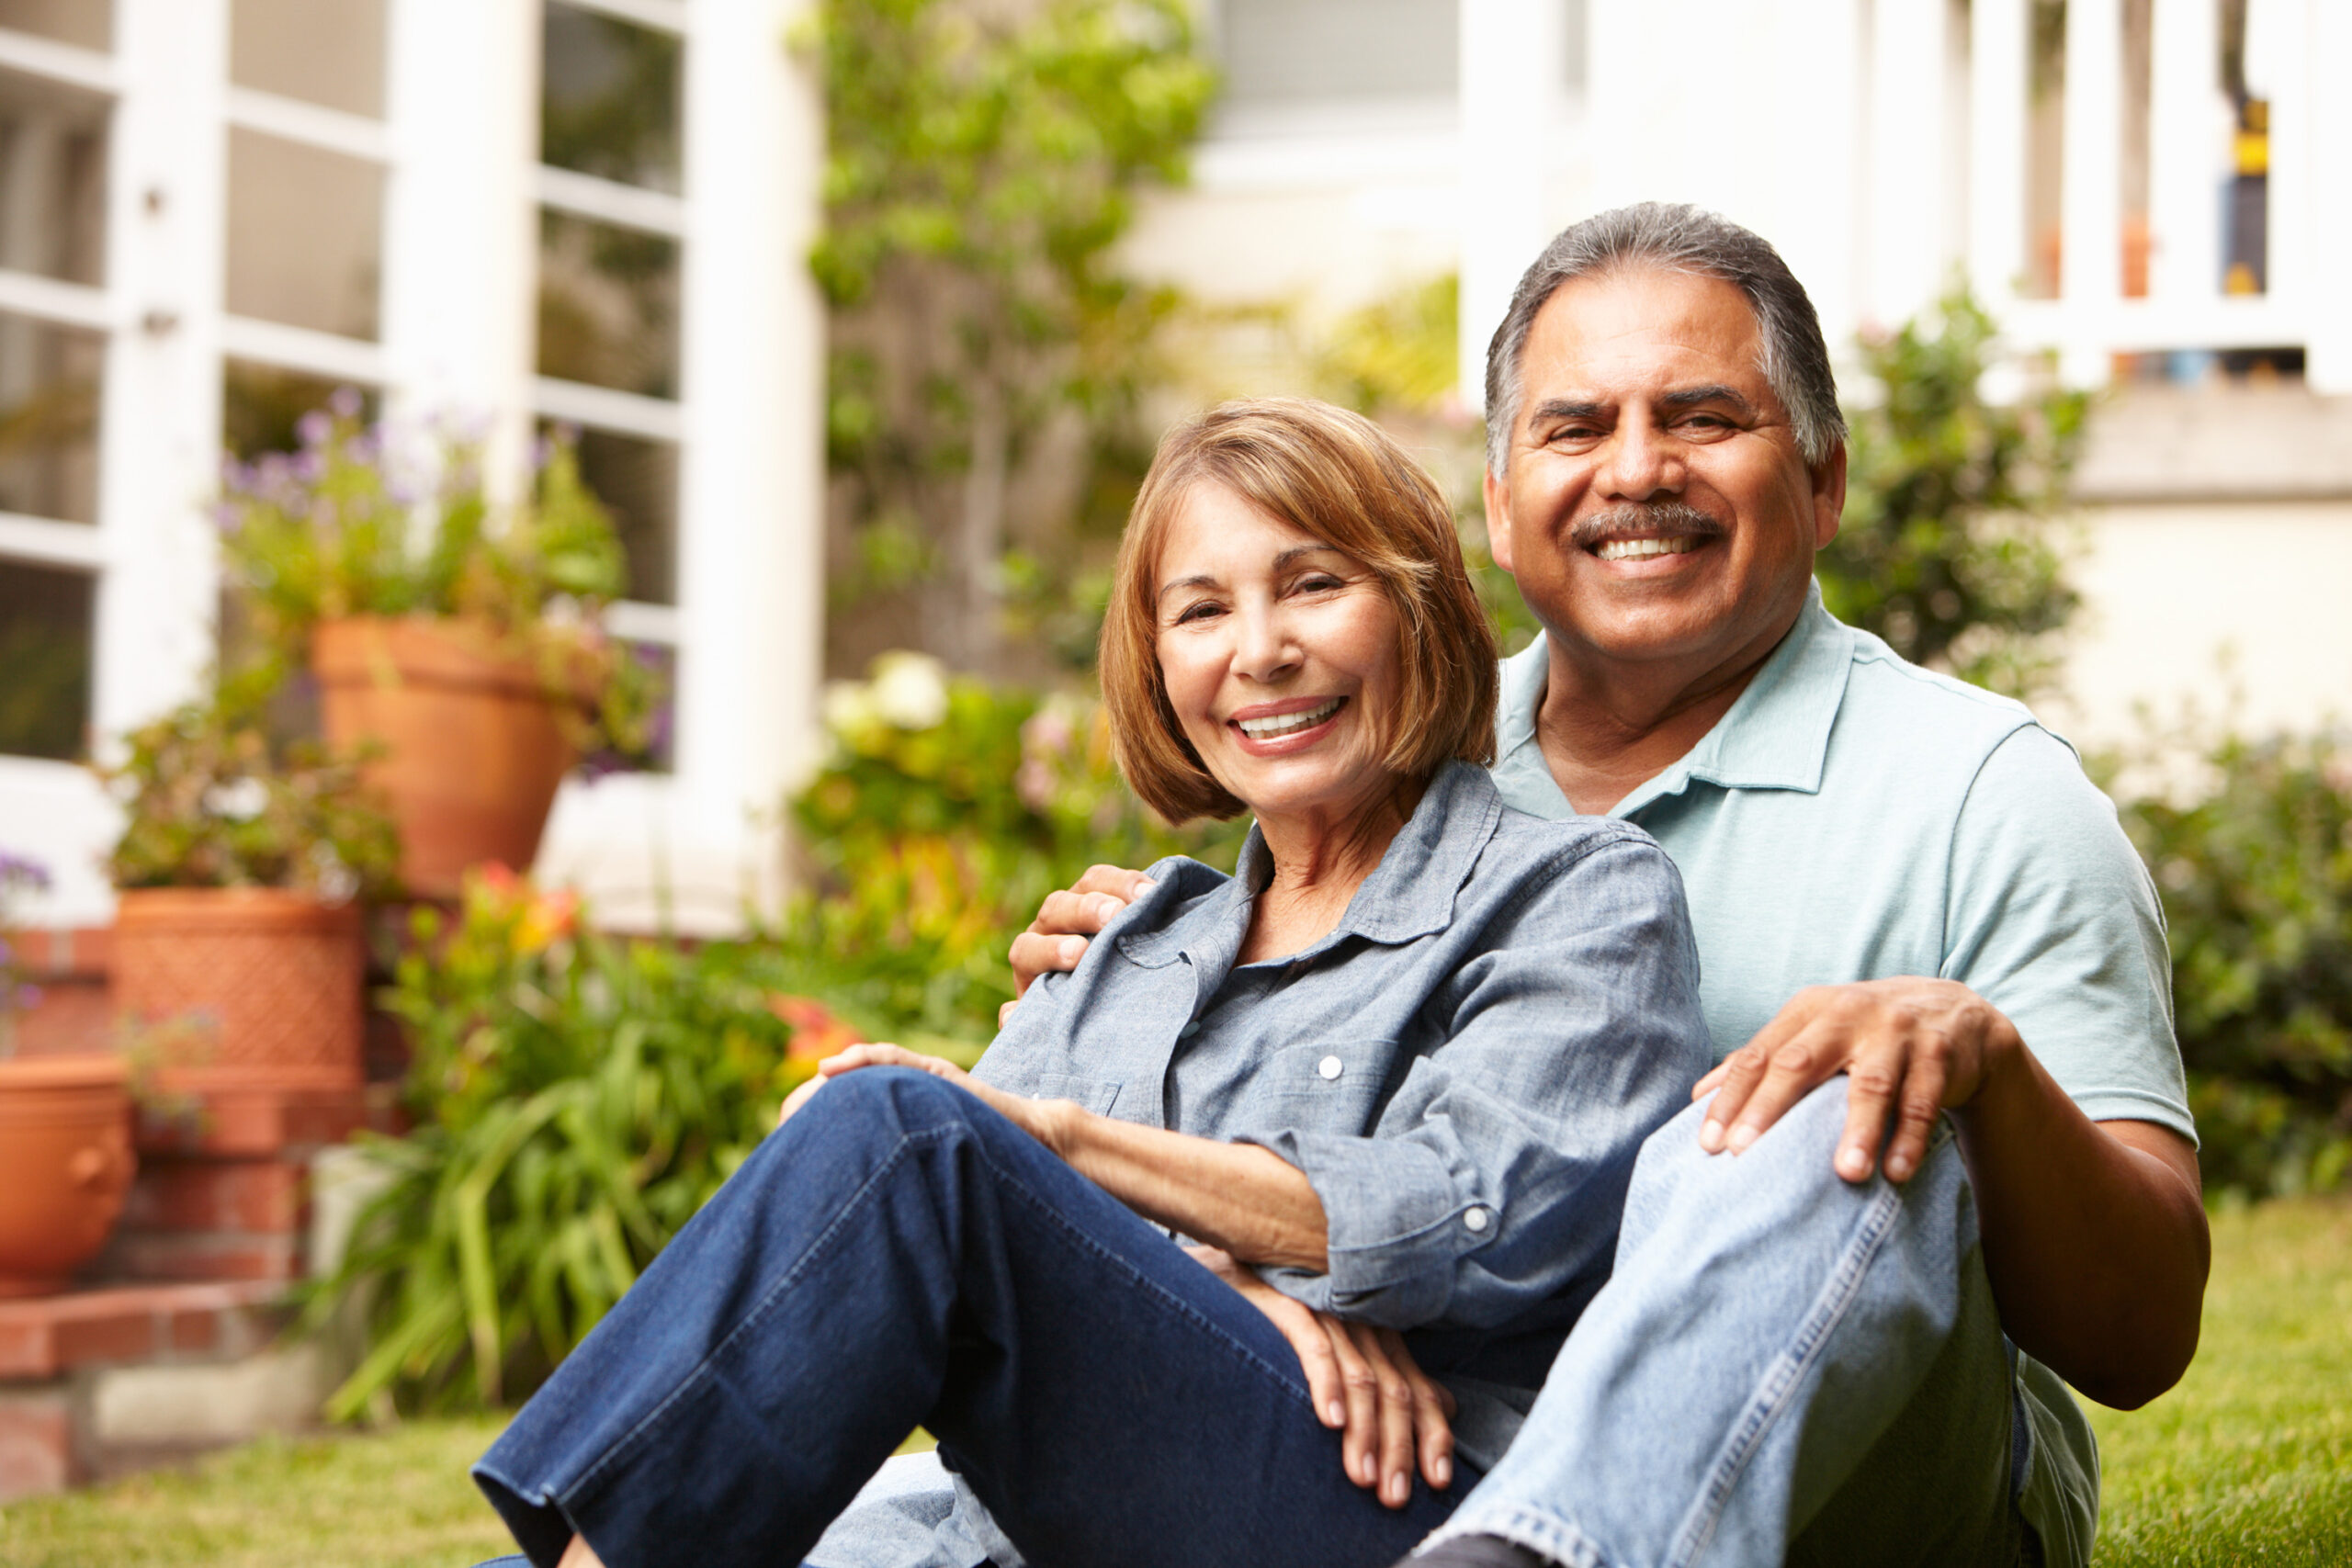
[816, 1031]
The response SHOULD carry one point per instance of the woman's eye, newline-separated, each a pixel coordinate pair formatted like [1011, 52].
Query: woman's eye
[1319, 583]
[1199, 611]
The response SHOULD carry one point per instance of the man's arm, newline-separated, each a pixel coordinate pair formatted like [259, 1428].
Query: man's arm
[1057, 939]
[2095, 1234]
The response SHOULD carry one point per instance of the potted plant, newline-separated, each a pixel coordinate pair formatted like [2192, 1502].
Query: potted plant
[237, 926]
[464, 640]
[66, 1159]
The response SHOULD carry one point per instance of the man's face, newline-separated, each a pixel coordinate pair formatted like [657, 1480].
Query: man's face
[1654, 505]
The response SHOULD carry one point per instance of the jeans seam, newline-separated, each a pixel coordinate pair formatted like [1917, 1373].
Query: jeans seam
[1786, 1372]
[627, 1442]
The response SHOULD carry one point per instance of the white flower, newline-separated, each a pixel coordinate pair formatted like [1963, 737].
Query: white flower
[848, 707]
[239, 800]
[909, 690]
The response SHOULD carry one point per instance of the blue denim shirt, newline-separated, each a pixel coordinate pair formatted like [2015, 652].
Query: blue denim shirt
[1464, 1068]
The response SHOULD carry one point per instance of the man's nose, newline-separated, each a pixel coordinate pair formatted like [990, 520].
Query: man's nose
[1643, 462]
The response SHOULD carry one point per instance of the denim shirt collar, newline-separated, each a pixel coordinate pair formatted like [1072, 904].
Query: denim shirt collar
[1410, 894]
[1775, 737]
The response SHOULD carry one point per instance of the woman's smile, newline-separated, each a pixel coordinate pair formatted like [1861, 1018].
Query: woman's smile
[1292, 725]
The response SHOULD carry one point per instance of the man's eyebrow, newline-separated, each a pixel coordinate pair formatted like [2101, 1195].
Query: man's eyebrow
[1563, 408]
[1692, 397]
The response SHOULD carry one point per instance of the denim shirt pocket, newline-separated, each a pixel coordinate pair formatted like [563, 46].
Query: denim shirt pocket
[1333, 1087]
[1097, 1095]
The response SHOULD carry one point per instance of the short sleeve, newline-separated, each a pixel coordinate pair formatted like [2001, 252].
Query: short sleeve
[2052, 918]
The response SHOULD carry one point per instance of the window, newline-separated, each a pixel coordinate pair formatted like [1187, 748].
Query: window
[611, 218]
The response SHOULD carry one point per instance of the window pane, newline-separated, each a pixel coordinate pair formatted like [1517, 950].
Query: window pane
[260, 405]
[49, 419]
[637, 482]
[52, 178]
[1306, 51]
[305, 235]
[89, 23]
[608, 305]
[324, 51]
[45, 625]
[608, 101]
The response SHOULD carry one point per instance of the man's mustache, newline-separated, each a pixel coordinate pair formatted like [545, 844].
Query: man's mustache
[1659, 520]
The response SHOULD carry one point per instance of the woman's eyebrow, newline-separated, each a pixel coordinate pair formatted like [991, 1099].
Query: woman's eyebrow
[1282, 562]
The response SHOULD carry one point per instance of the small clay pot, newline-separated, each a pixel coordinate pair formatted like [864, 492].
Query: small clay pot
[241, 987]
[65, 1163]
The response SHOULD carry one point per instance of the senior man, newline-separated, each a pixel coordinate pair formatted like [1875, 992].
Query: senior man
[1922, 934]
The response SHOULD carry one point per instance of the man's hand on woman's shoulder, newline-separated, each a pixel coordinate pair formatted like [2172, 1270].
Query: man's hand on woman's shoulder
[1057, 939]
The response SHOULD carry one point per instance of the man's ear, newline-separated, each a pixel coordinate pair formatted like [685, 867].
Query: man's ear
[1829, 496]
[1499, 521]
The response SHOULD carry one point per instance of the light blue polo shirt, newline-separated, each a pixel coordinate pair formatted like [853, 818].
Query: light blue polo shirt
[1854, 817]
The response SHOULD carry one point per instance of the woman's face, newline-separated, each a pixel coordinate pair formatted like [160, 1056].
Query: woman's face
[1279, 656]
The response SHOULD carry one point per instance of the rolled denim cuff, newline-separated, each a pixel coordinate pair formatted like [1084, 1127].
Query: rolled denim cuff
[1397, 1227]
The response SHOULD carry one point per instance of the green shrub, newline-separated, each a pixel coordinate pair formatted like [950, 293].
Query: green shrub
[576, 1098]
[2256, 881]
[949, 809]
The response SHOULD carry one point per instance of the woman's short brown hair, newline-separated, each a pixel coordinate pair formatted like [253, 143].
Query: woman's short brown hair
[1343, 480]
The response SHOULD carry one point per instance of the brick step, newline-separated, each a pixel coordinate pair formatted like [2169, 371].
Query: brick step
[44, 1336]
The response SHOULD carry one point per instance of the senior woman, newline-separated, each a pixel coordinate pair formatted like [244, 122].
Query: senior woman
[1391, 1073]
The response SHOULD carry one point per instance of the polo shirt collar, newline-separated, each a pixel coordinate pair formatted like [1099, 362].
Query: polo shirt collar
[1775, 737]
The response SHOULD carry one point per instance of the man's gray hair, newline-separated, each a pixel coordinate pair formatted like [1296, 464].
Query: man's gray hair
[1795, 361]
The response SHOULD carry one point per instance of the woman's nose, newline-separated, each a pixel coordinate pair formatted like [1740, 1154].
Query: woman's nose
[1264, 649]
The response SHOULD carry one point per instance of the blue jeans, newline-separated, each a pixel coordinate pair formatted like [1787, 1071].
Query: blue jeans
[1784, 1367]
[900, 1255]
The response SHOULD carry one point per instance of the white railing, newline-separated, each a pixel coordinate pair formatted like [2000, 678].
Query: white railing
[2305, 47]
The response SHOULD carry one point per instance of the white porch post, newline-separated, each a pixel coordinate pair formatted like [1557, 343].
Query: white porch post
[2327, 366]
[1908, 158]
[2090, 268]
[1997, 65]
[751, 569]
[2188, 145]
[461, 251]
[166, 202]
[1509, 91]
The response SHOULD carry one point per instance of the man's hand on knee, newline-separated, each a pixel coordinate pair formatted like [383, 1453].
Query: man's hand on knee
[1057, 938]
[1912, 1049]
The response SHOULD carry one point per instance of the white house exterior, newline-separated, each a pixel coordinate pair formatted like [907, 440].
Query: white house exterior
[1885, 146]
[205, 203]
[210, 204]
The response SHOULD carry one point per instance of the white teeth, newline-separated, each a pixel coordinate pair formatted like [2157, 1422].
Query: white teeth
[1642, 549]
[1287, 723]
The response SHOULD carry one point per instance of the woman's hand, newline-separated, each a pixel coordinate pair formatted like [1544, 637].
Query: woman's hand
[1365, 1382]
[1041, 1119]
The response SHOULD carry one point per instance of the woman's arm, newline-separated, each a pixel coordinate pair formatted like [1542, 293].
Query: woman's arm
[1243, 1200]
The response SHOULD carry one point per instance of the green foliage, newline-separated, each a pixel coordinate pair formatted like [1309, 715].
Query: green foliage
[949, 810]
[982, 161]
[2256, 881]
[210, 804]
[344, 527]
[577, 1098]
[1397, 354]
[1946, 550]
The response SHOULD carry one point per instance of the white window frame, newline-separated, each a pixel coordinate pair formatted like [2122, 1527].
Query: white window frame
[463, 189]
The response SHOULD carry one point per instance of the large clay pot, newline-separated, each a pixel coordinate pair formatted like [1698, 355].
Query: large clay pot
[473, 750]
[241, 987]
[65, 1163]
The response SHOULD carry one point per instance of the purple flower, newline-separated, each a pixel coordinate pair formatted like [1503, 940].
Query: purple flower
[24, 870]
[345, 401]
[315, 428]
[310, 465]
[365, 448]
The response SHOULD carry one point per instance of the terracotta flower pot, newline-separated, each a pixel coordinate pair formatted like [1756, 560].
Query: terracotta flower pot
[65, 1163]
[473, 750]
[247, 988]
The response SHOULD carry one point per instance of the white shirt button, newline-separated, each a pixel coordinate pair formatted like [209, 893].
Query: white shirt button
[1330, 1066]
[1475, 1220]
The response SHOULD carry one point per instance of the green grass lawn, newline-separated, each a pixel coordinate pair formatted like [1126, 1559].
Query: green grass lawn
[2248, 1461]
